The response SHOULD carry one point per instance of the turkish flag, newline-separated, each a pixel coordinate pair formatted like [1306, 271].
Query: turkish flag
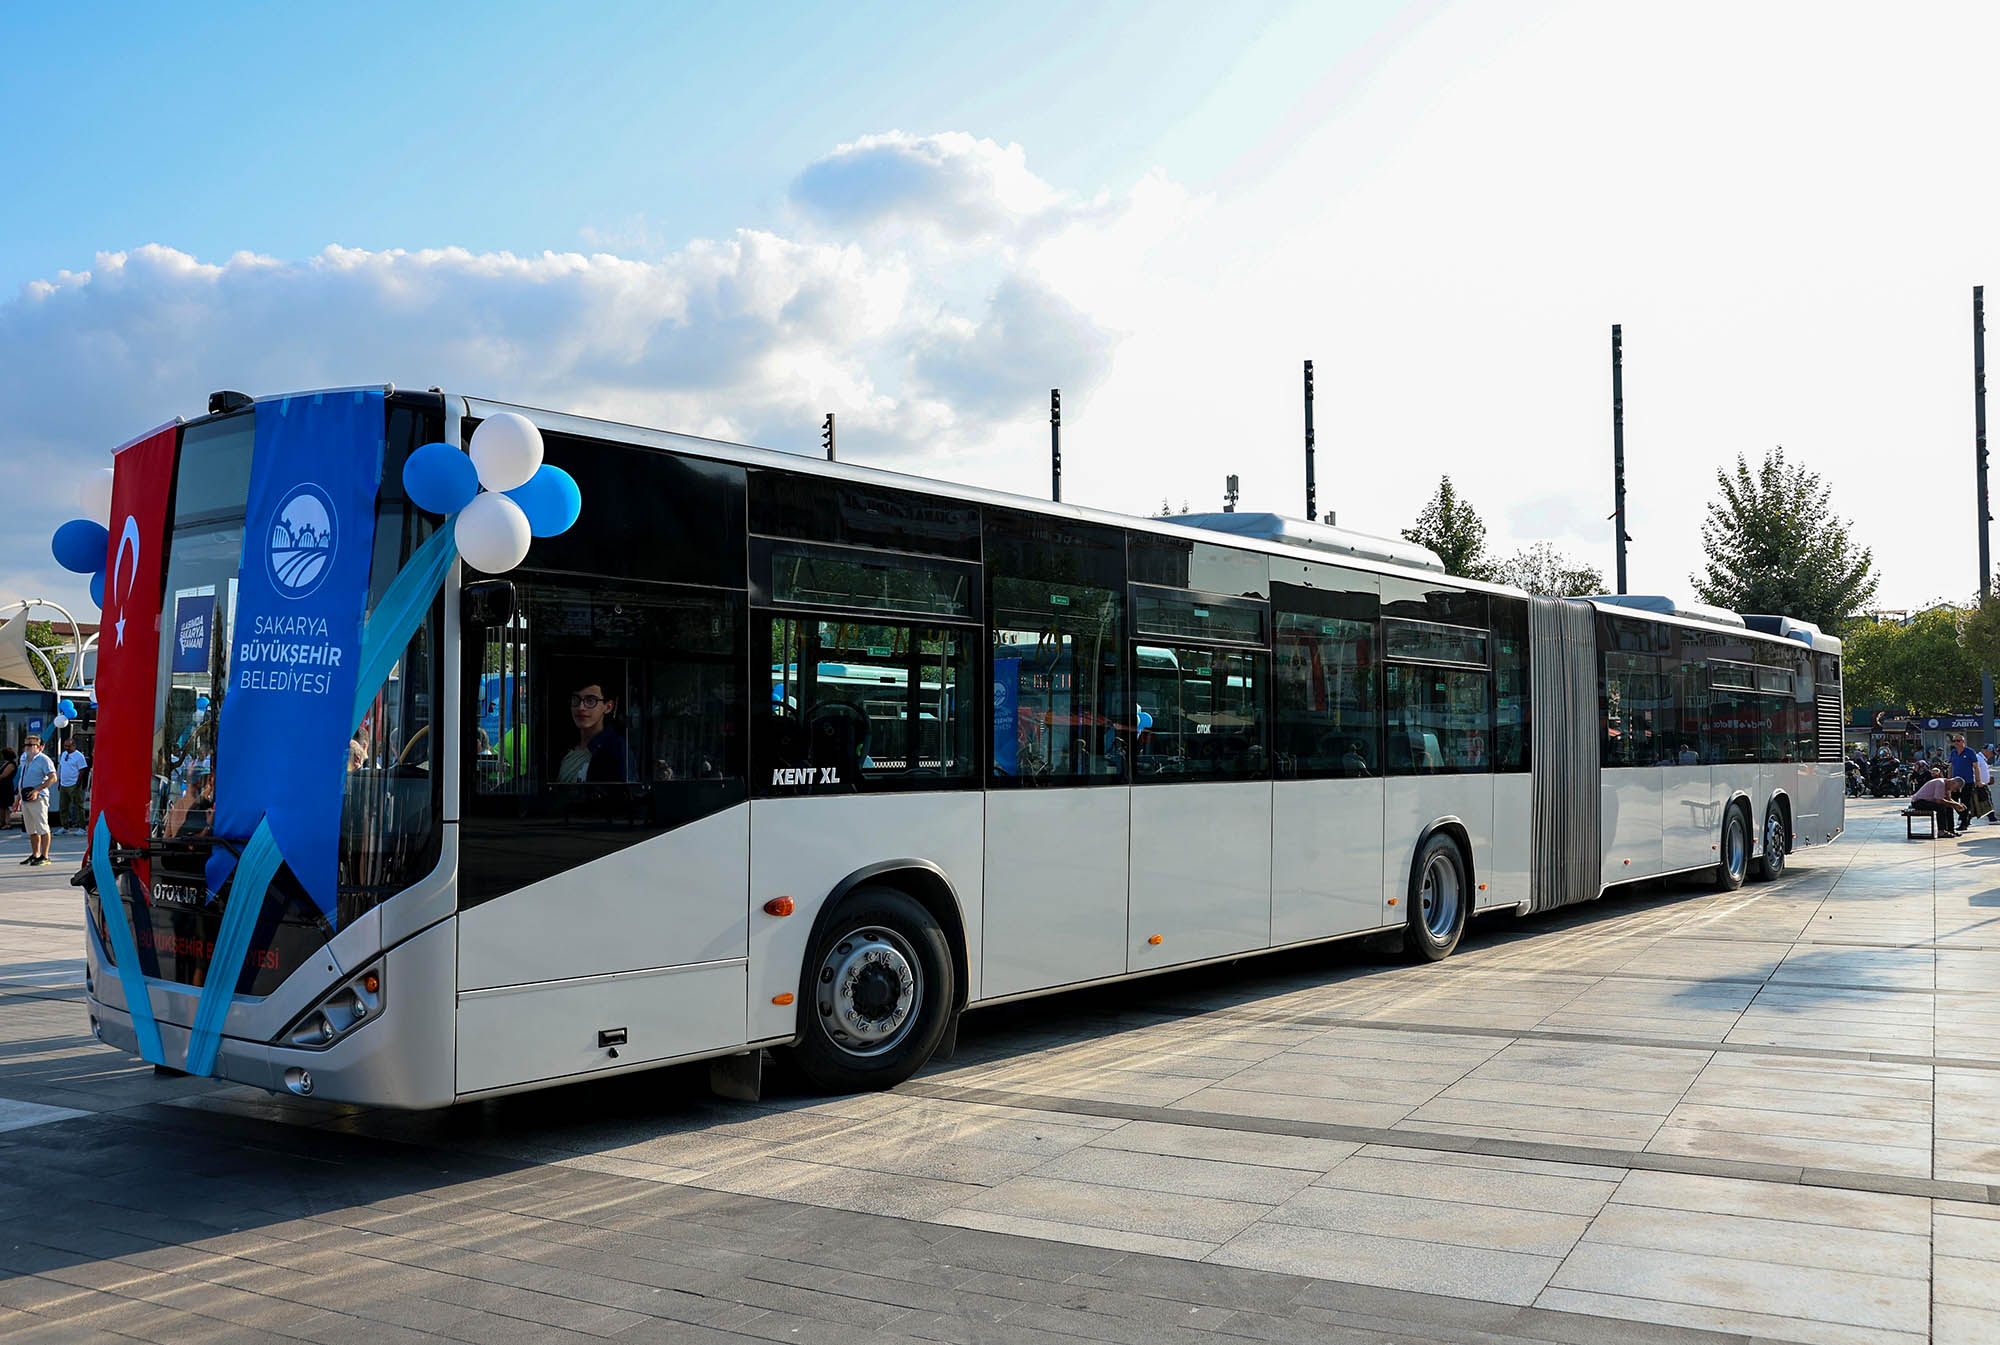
[128, 643]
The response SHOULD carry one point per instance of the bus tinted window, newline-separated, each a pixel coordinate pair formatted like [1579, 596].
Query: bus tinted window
[1420, 600]
[1200, 713]
[1437, 719]
[1328, 720]
[852, 705]
[795, 574]
[1057, 631]
[814, 509]
[1513, 694]
[646, 515]
[1636, 702]
[1171, 562]
[1196, 617]
[597, 718]
[1429, 642]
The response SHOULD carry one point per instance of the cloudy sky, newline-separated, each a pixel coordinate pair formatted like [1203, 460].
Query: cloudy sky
[923, 218]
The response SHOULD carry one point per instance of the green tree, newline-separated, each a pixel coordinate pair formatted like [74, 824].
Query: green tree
[1920, 666]
[1543, 569]
[1981, 632]
[1775, 545]
[1453, 529]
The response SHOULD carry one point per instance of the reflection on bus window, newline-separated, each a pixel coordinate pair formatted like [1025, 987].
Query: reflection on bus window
[1200, 713]
[1436, 718]
[1057, 683]
[854, 705]
[1327, 722]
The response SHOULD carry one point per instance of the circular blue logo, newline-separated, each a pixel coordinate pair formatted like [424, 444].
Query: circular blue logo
[303, 537]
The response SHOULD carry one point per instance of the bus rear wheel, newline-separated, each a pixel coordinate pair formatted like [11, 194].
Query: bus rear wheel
[1734, 863]
[1440, 899]
[1777, 841]
[876, 993]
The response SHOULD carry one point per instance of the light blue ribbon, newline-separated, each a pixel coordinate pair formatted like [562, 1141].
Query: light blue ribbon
[124, 949]
[383, 640]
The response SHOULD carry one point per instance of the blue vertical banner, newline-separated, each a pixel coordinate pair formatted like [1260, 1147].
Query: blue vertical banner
[308, 538]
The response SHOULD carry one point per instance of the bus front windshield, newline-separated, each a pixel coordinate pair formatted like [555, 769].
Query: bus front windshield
[389, 811]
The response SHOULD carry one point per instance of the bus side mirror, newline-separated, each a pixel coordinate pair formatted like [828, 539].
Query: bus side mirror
[490, 602]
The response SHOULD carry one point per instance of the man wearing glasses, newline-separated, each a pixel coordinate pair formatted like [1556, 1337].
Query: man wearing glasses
[36, 775]
[1965, 770]
[598, 756]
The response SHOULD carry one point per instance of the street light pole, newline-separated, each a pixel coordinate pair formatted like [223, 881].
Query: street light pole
[1985, 510]
[1312, 490]
[1618, 446]
[1055, 444]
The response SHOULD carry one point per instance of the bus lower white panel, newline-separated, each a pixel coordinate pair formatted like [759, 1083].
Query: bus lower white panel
[804, 848]
[1802, 785]
[1055, 887]
[1507, 876]
[1630, 817]
[1201, 872]
[551, 1031]
[1690, 817]
[1326, 858]
[676, 898]
[1413, 803]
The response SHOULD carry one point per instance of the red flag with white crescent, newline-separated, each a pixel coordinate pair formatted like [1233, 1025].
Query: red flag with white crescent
[128, 643]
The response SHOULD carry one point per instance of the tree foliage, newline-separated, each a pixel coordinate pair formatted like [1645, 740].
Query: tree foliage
[1775, 545]
[1453, 529]
[1543, 569]
[1922, 666]
[1980, 633]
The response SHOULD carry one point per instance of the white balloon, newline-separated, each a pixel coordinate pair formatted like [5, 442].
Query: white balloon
[95, 496]
[492, 533]
[507, 450]
[61, 721]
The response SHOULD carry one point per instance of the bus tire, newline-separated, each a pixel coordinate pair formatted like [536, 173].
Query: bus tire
[1734, 862]
[875, 994]
[1440, 899]
[1777, 841]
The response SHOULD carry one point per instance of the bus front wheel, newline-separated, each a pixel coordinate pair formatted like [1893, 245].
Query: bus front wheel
[876, 993]
[1440, 898]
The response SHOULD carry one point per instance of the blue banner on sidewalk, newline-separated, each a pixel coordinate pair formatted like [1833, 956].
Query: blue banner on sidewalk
[309, 534]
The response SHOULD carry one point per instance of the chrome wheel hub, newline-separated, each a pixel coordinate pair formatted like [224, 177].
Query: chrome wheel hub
[1439, 896]
[1738, 856]
[869, 990]
[1774, 842]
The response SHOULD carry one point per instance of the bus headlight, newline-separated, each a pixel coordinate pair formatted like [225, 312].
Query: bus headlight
[338, 1013]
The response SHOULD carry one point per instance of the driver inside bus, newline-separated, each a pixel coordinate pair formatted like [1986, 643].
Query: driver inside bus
[597, 755]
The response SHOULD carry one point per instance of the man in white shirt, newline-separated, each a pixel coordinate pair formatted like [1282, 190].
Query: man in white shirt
[69, 774]
[1983, 763]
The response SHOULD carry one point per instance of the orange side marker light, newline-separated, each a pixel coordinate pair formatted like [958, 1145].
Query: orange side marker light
[781, 999]
[1156, 940]
[779, 906]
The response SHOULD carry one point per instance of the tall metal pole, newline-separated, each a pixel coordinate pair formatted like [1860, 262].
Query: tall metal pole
[1312, 490]
[1985, 510]
[1055, 444]
[1618, 446]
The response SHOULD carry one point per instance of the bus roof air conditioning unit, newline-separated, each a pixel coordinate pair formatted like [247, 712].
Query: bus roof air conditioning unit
[1661, 605]
[1785, 627]
[1314, 537]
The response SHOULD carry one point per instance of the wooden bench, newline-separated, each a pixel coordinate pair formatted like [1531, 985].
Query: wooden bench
[1910, 816]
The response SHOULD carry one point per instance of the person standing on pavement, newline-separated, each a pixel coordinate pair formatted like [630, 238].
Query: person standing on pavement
[35, 774]
[69, 774]
[1983, 763]
[1961, 768]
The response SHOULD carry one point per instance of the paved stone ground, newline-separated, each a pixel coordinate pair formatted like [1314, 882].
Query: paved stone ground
[1672, 1115]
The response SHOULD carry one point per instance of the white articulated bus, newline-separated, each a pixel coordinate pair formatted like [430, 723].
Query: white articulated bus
[769, 752]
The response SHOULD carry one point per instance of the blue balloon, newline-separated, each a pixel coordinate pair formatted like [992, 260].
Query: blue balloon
[97, 588]
[201, 702]
[550, 499]
[80, 546]
[67, 709]
[1145, 721]
[440, 479]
